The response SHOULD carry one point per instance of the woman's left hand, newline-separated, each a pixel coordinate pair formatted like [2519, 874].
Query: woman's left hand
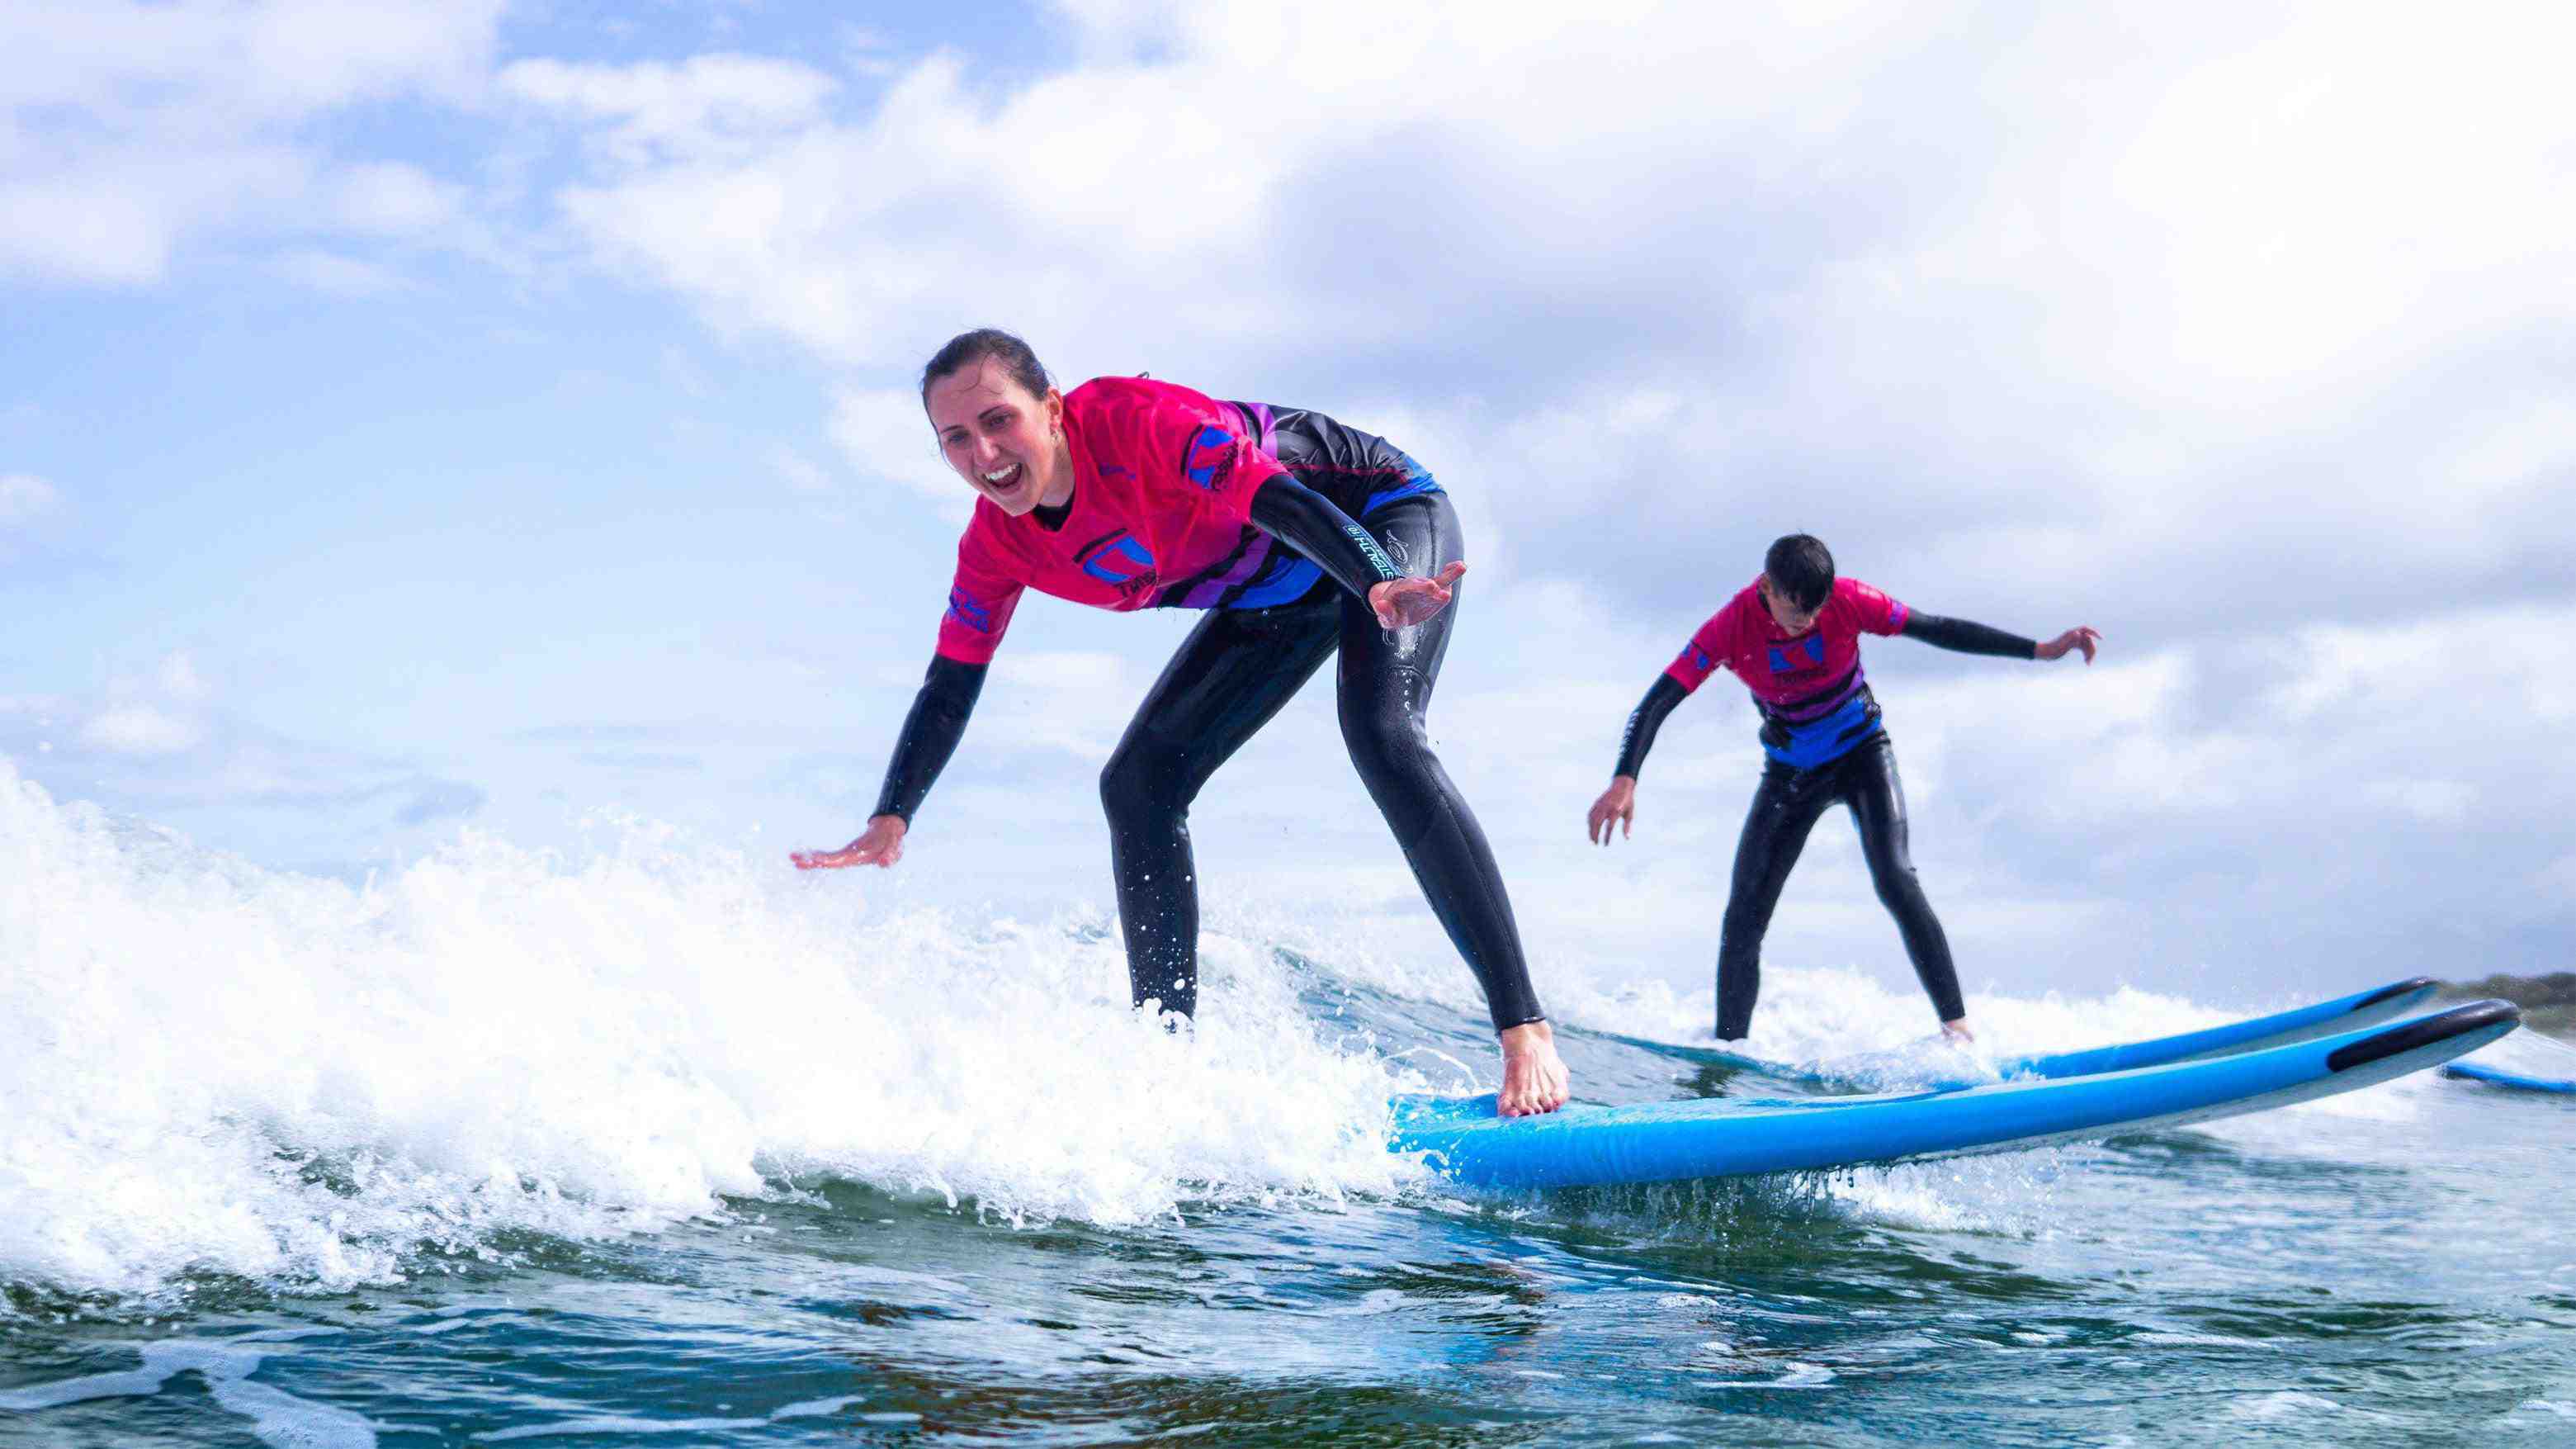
[1403, 603]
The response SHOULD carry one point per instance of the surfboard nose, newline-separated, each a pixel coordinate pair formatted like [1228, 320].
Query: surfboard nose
[2412, 985]
[2494, 1018]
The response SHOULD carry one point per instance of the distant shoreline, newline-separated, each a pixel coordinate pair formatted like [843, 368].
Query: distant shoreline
[2548, 1002]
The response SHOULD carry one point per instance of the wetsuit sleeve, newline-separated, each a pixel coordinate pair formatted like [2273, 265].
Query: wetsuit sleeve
[1307, 521]
[1961, 636]
[930, 734]
[1644, 720]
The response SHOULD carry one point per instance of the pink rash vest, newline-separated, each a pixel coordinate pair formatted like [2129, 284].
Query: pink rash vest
[1815, 702]
[1160, 518]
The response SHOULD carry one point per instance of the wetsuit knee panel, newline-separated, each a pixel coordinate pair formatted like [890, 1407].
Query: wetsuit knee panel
[1386, 738]
[1139, 780]
[1896, 883]
[1748, 920]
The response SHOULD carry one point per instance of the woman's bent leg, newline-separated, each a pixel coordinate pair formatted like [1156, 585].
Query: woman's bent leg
[1785, 807]
[1385, 683]
[1233, 672]
[1878, 808]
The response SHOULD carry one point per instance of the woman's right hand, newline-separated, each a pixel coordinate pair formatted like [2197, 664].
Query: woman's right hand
[1617, 804]
[1403, 603]
[882, 846]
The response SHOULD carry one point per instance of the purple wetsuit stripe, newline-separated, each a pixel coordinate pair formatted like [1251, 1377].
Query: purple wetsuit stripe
[1815, 706]
[1206, 594]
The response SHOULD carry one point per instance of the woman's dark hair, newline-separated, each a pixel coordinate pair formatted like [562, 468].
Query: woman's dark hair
[1801, 567]
[969, 348]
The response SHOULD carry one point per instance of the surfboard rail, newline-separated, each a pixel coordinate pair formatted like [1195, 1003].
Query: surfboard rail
[2306, 1023]
[2342, 1014]
[1585, 1145]
[2498, 1077]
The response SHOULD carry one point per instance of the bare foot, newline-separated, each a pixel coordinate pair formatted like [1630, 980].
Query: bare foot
[1534, 1078]
[1956, 1030]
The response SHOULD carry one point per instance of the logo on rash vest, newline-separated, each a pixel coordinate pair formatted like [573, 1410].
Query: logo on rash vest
[1211, 458]
[1124, 562]
[966, 611]
[1813, 647]
[1701, 659]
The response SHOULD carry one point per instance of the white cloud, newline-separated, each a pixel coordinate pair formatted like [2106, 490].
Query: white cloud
[25, 497]
[280, 58]
[112, 216]
[341, 276]
[867, 52]
[1194, 179]
[136, 729]
[2355, 796]
[884, 435]
[2127, 307]
[161, 711]
[394, 199]
[2554, 888]
[2164, 322]
[132, 128]
[801, 472]
[707, 107]
[157, 739]
[2432, 802]
[178, 678]
[2514, 657]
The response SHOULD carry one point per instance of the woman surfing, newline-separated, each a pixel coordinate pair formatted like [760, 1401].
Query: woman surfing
[1303, 539]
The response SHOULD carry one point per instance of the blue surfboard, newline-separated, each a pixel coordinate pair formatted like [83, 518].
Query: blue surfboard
[1674, 1141]
[2478, 1072]
[2305, 1023]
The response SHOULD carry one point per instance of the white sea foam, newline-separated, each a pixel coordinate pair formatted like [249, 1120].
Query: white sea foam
[631, 1426]
[2281, 1405]
[1834, 1013]
[2006, 1194]
[276, 1417]
[206, 1066]
[1794, 1375]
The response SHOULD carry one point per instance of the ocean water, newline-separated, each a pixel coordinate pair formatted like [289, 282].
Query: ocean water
[668, 1146]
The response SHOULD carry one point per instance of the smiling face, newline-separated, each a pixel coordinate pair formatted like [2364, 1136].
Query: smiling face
[1005, 441]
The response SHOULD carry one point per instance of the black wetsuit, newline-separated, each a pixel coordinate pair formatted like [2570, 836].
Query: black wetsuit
[1786, 806]
[1239, 666]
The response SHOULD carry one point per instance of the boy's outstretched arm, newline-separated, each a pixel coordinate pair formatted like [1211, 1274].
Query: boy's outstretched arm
[1617, 805]
[1965, 637]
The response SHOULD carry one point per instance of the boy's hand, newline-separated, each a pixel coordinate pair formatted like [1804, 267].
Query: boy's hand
[2086, 639]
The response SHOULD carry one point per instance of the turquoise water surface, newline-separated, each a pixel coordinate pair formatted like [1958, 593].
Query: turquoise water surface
[657, 1149]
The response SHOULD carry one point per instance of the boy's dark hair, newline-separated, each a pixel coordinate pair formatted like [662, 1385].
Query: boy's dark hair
[966, 349]
[1800, 567]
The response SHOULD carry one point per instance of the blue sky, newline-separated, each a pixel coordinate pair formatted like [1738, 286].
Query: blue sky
[449, 416]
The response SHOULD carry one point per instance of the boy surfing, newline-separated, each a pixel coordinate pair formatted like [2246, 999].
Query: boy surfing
[1792, 637]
